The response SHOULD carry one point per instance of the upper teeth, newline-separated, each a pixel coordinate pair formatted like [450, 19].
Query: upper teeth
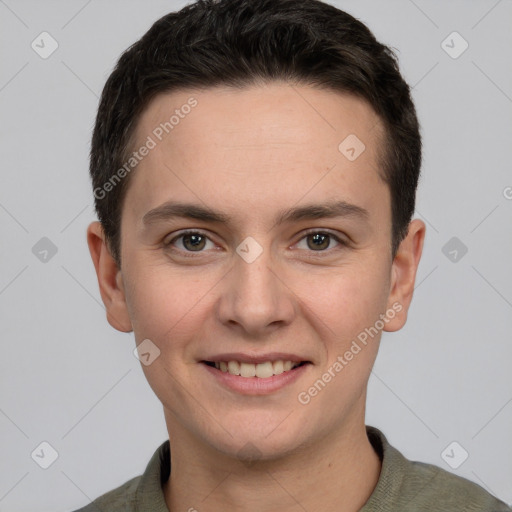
[261, 370]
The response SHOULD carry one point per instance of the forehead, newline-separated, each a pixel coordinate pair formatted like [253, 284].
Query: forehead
[282, 140]
[258, 114]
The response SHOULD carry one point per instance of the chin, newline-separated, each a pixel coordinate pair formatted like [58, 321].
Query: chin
[261, 440]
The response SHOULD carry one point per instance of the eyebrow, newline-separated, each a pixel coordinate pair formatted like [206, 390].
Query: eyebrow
[172, 209]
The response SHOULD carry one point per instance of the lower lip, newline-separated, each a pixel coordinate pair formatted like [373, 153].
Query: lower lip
[256, 385]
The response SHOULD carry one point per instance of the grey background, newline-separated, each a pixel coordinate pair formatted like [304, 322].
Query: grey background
[69, 379]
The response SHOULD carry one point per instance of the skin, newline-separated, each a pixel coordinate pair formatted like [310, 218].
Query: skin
[251, 153]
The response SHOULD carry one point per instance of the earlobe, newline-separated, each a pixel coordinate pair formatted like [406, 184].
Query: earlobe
[403, 274]
[109, 279]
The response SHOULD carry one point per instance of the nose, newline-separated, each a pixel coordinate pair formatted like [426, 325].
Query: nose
[256, 299]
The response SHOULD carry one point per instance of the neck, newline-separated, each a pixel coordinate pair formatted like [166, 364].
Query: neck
[337, 473]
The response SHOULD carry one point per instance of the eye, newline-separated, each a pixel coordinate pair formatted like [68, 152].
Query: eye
[197, 241]
[319, 241]
[190, 241]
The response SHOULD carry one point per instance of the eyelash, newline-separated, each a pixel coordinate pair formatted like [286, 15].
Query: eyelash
[342, 243]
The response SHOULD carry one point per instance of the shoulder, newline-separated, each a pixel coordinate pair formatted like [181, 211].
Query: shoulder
[412, 486]
[120, 499]
[431, 488]
[143, 492]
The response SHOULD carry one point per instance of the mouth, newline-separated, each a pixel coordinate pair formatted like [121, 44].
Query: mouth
[260, 370]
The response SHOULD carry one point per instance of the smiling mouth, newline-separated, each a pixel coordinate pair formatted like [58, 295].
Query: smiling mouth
[261, 370]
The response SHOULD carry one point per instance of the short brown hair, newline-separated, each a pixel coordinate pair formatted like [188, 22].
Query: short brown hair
[242, 42]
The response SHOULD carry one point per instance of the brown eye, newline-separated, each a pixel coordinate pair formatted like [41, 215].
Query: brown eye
[194, 242]
[319, 241]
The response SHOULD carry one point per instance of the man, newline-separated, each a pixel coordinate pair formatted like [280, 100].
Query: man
[255, 165]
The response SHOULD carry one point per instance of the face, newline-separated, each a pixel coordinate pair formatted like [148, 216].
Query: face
[251, 233]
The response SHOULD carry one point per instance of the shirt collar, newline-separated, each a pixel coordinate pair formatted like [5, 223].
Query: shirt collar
[393, 469]
[150, 495]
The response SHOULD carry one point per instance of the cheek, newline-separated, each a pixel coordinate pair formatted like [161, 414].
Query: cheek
[165, 309]
[344, 301]
[162, 304]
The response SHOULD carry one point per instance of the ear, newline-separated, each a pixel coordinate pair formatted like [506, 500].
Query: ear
[403, 274]
[110, 279]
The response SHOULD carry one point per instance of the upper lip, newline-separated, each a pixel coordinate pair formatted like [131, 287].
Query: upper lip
[255, 358]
